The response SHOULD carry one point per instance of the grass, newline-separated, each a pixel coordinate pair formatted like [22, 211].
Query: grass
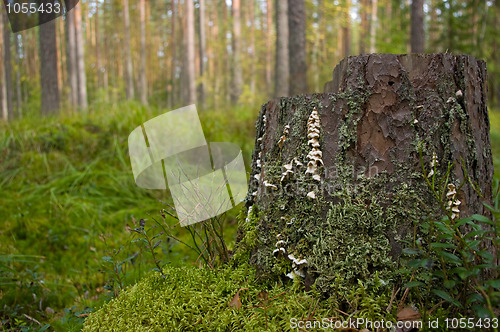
[67, 193]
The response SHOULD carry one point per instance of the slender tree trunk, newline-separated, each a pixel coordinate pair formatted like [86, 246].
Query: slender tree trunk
[364, 26]
[173, 67]
[8, 65]
[269, 23]
[129, 78]
[282, 81]
[202, 50]
[80, 58]
[346, 30]
[48, 70]
[142, 73]
[417, 26]
[237, 81]
[297, 46]
[98, 47]
[19, 101]
[189, 64]
[3, 84]
[71, 51]
[373, 27]
[253, 53]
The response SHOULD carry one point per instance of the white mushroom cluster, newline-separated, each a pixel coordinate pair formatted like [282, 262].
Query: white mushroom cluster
[453, 202]
[298, 266]
[258, 161]
[434, 163]
[288, 169]
[250, 209]
[280, 247]
[315, 155]
[283, 137]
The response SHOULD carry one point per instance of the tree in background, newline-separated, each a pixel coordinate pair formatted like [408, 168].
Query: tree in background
[71, 56]
[129, 78]
[7, 59]
[282, 59]
[202, 50]
[142, 72]
[80, 58]
[297, 46]
[373, 26]
[3, 84]
[189, 57]
[237, 78]
[48, 67]
[417, 26]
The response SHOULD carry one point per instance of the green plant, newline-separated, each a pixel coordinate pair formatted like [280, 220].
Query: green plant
[207, 237]
[456, 259]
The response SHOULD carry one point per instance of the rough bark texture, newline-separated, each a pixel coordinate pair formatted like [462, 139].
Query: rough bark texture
[297, 46]
[374, 115]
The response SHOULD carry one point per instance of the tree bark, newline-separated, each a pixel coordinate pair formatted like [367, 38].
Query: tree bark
[297, 46]
[364, 26]
[80, 58]
[129, 71]
[346, 30]
[3, 85]
[373, 26]
[189, 66]
[237, 81]
[202, 50]
[344, 191]
[7, 59]
[142, 74]
[417, 26]
[71, 50]
[269, 23]
[282, 61]
[48, 71]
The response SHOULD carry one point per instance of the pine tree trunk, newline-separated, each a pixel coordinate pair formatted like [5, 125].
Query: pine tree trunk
[417, 26]
[237, 80]
[342, 186]
[80, 58]
[48, 64]
[71, 50]
[297, 46]
[129, 71]
[282, 64]
[269, 22]
[202, 50]
[142, 73]
[373, 26]
[7, 59]
[189, 65]
[3, 85]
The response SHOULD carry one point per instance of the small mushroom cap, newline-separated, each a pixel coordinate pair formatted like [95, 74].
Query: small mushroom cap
[311, 195]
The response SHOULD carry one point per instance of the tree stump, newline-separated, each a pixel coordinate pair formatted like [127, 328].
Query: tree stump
[337, 179]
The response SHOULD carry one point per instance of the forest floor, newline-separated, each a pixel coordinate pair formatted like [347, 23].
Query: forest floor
[67, 198]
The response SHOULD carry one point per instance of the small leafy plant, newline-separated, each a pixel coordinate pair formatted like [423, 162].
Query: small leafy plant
[455, 258]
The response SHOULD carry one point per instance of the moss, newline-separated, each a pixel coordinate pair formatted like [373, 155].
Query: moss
[195, 299]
